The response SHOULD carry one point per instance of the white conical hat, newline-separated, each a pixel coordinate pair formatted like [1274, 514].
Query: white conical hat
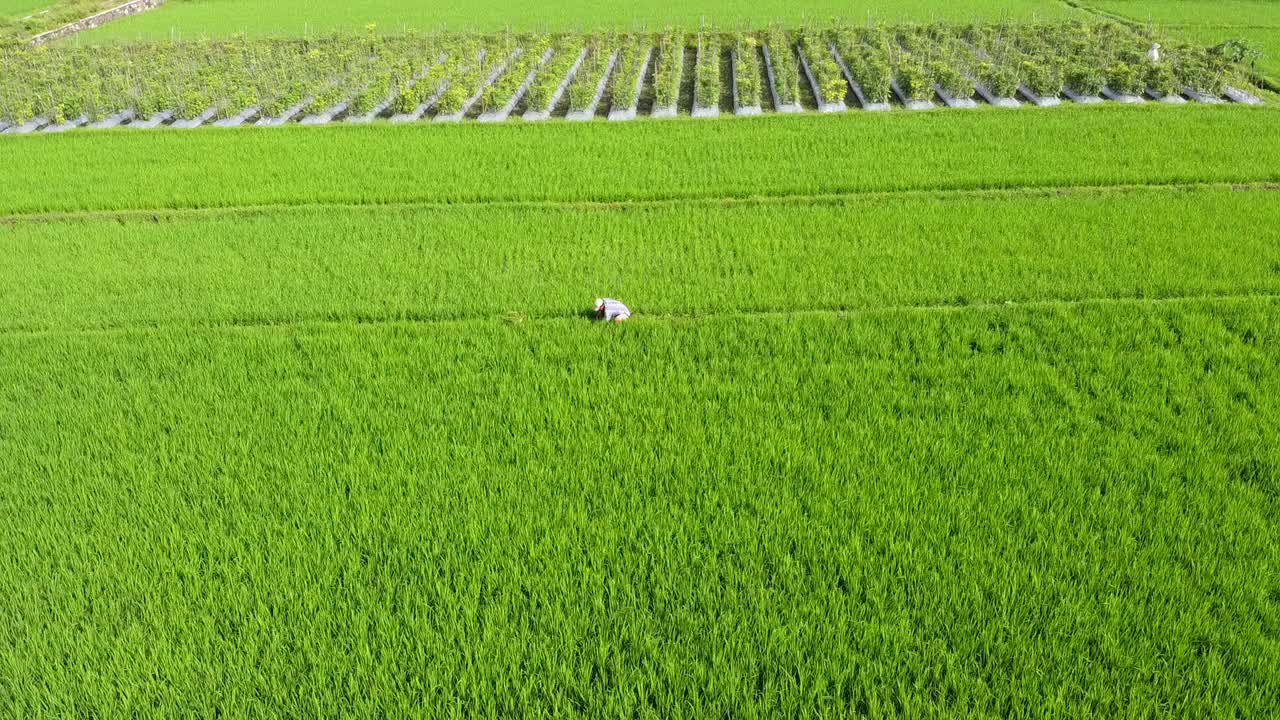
[599, 302]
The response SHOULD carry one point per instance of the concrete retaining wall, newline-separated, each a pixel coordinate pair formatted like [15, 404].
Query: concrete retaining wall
[130, 8]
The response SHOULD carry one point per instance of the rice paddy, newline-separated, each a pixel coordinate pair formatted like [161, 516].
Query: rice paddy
[954, 414]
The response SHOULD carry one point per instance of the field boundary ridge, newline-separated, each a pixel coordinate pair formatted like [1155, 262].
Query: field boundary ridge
[179, 213]
[518, 318]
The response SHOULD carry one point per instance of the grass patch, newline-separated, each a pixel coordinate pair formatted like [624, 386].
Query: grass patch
[21, 19]
[1211, 22]
[13, 9]
[769, 156]
[191, 19]
[448, 263]
[673, 518]
[1182, 13]
[306, 422]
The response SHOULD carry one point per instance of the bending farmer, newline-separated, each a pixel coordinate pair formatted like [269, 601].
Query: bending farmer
[611, 310]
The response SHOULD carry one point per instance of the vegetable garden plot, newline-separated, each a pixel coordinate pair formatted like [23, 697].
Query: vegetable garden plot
[379, 77]
[1005, 69]
[668, 73]
[706, 83]
[914, 82]
[824, 75]
[782, 72]
[950, 66]
[423, 95]
[633, 64]
[466, 90]
[746, 72]
[395, 81]
[27, 127]
[67, 125]
[190, 124]
[554, 79]
[869, 74]
[460, 76]
[500, 99]
[155, 120]
[234, 121]
[588, 85]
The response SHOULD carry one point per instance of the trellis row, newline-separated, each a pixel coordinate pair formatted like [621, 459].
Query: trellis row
[629, 112]
[772, 78]
[858, 93]
[196, 121]
[534, 115]
[1120, 97]
[992, 99]
[700, 111]
[504, 112]
[589, 111]
[387, 102]
[952, 101]
[292, 115]
[1167, 99]
[907, 101]
[475, 98]
[1080, 98]
[443, 86]
[826, 105]
[327, 115]
[668, 111]
[288, 115]
[738, 107]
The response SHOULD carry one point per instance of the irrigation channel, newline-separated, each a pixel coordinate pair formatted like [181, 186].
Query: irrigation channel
[602, 105]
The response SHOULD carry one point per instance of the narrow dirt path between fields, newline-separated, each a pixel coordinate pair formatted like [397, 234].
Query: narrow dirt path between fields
[179, 214]
[640, 318]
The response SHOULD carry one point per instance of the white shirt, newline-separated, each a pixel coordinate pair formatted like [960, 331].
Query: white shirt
[613, 310]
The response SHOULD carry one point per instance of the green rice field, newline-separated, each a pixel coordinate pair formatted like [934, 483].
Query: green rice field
[947, 414]
[24, 18]
[428, 264]
[222, 17]
[900, 512]
[729, 159]
[21, 8]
